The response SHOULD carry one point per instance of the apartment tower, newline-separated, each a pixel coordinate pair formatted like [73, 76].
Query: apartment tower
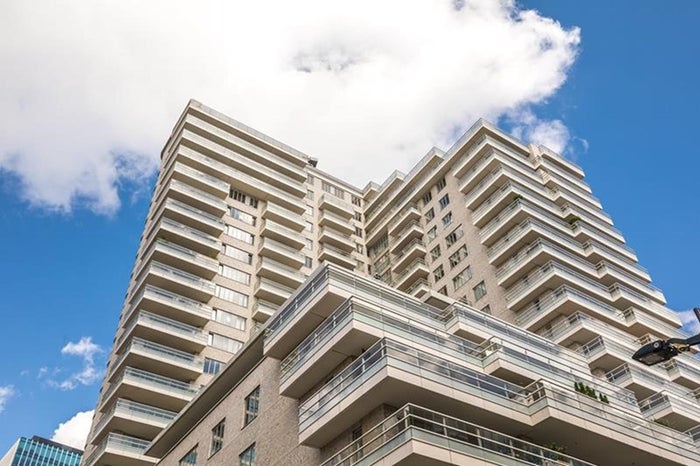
[496, 249]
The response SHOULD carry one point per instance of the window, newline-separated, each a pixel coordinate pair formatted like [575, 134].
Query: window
[308, 261]
[427, 197]
[247, 458]
[334, 190]
[231, 296]
[190, 459]
[438, 273]
[238, 254]
[458, 255]
[359, 248]
[212, 366]
[432, 233]
[452, 238]
[238, 196]
[253, 202]
[462, 277]
[479, 290]
[358, 231]
[227, 318]
[444, 201]
[356, 201]
[252, 406]
[430, 214]
[309, 227]
[234, 274]
[310, 195]
[239, 234]
[217, 437]
[309, 244]
[435, 252]
[358, 216]
[244, 217]
[379, 246]
[309, 211]
[224, 343]
[310, 178]
[440, 185]
[447, 219]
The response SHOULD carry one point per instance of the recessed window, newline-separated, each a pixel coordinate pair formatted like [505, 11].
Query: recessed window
[447, 219]
[427, 197]
[231, 296]
[310, 178]
[238, 196]
[435, 252]
[238, 254]
[444, 201]
[190, 459]
[244, 217]
[310, 195]
[217, 437]
[334, 190]
[462, 277]
[253, 202]
[479, 291]
[452, 238]
[458, 256]
[438, 273]
[430, 214]
[360, 266]
[239, 234]
[356, 201]
[358, 216]
[229, 319]
[247, 458]
[359, 248]
[252, 405]
[440, 185]
[432, 234]
[308, 261]
[224, 343]
[358, 231]
[234, 274]
[212, 366]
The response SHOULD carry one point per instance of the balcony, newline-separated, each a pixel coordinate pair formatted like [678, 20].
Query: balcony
[171, 305]
[557, 175]
[282, 234]
[149, 388]
[482, 169]
[624, 298]
[176, 280]
[610, 274]
[563, 197]
[605, 353]
[279, 273]
[684, 371]
[412, 251]
[416, 270]
[197, 179]
[190, 216]
[418, 436]
[406, 216]
[585, 233]
[283, 217]
[336, 239]
[159, 329]
[194, 197]
[504, 196]
[263, 310]
[138, 419]
[644, 381]
[182, 258]
[157, 358]
[338, 206]
[640, 323]
[282, 253]
[337, 256]
[122, 450]
[269, 290]
[411, 231]
[597, 252]
[188, 237]
[335, 222]
[682, 414]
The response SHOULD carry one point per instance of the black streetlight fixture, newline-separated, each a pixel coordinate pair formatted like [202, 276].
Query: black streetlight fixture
[663, 350]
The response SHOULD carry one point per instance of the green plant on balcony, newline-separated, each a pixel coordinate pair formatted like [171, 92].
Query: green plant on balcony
[589, 391]
[556, 453]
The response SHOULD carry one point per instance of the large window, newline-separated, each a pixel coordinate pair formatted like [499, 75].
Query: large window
[427, 197]
[231, 296]
[462, 277]
[234, 274]
[440, 185]
[432, 234]
[452, 238]
[244, 217]
[238, 254]
[224, 343]
[252, 406]
[247, 458]
[356, 200]
[227, 318]
[212, 366]
[334, 190]
[435, 252]
[447, 219]
[444, 201]
[438, 273]
[239, 234]
[217, 437]
[190, 459]
[430, 214]
[458, 256]
[479, 290]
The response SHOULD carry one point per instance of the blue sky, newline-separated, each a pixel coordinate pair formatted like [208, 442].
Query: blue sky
[627, 106]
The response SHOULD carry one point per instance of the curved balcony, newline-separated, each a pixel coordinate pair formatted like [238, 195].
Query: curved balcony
[180, 282]
[159, 359]
[171, 305]
[188, 237]
[121, 449]
[159, 329]
[138, 419]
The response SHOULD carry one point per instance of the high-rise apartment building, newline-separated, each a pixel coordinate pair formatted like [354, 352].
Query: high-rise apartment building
[38, 451]
[481, 309]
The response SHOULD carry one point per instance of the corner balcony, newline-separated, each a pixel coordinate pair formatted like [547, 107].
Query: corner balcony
[283, 217]
[610, 274]
[263, 310]
[191, 217]
[335, 222]
[507, 219]
[563, 197]
[182, 258]
[171, 305]
[585, 233]
[414, 272]
[337, 206]
[406, 216]
[643, 382]
[418, 436]
[197, 179]
[176, 280]
[412, 251]
[194, 197]
[681, 414]
[138, 419]
[562, 176]
[580, 327]
[188, 237]
[120, 449]
[641, 323]
[269, 290]
[281, 253]
[598, 222]
[605, 353]
[282, 234]
[336, 239]
[149, 388]
[684, 371]
[159, 359]
[337, 256]
[412, 230]
[504, 196]
[597, 252]
[624, 298]
[159, 329]
[483, 168]
[280, 273]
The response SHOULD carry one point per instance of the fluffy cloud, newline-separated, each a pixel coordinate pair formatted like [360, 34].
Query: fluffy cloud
[690, 322]
[6, 393]
[74, 431]
[87, 350]
[90, 90]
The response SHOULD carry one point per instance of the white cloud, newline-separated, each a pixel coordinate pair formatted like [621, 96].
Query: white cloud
[690, 322]
[88, 375]
[6, 392]
[90, 90]
[74, 431]
[550, 133]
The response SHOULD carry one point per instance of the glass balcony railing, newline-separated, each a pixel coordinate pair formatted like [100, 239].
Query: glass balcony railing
[155, 381]
[179, 276]
[122, 443]
[166, 325]
[135, 410]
